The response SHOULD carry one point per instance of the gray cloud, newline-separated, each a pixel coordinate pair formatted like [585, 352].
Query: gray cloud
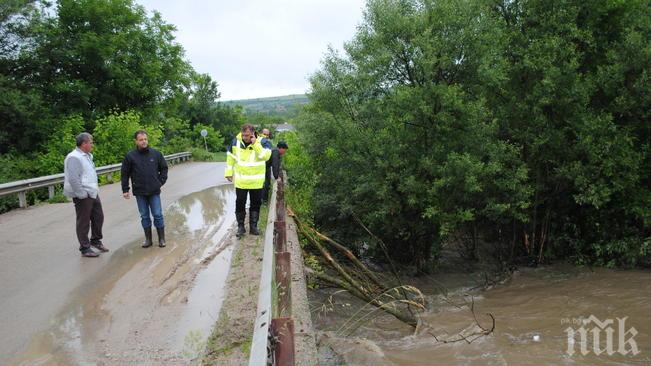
[258, 48]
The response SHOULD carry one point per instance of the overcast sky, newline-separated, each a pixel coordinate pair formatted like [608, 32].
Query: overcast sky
[258, 48]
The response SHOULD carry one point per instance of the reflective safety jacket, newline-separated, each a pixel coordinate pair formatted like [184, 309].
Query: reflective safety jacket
[247, 164]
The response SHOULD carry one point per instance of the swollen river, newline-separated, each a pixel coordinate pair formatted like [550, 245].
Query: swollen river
[554, 315]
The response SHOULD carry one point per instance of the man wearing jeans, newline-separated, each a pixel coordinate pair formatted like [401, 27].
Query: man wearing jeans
[80, 184]
[147, 169]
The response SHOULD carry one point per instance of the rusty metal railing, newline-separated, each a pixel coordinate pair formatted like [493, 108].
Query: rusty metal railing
[273, 335]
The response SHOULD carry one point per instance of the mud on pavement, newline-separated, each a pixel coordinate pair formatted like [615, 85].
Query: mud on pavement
[149, 306]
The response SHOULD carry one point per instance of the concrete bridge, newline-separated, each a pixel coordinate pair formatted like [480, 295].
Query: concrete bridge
[134, 305]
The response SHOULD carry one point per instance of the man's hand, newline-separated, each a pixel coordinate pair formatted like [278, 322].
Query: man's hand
[126, 195]
[253, 140]
[230, 179]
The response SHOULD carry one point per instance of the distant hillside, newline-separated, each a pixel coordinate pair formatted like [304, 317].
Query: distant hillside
[283, 106]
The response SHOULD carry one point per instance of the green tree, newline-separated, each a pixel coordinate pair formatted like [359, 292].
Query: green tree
[403, 143]
[24, 117]
[114, 136]
[59, 145]
[214, 140]
[97, 55]
[201, 101]
[575, 99]
[517, 127]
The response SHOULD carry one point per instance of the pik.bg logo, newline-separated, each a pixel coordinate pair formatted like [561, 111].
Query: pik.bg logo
[605, 338]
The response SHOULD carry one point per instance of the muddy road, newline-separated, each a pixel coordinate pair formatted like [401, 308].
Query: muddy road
[131, 305]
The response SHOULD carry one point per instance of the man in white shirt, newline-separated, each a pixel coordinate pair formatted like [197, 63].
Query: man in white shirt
[80, 184]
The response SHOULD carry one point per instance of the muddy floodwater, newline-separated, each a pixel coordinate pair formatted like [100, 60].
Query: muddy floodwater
[153, 306]
[553, 315]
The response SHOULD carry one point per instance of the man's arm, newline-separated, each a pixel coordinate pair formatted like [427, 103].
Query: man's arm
[125, 172]
[230, 162]
[162, 168]
[262, 152]
[74, 169]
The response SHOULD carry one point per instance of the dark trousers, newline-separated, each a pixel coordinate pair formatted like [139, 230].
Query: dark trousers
[240, 201]
[89, 215]
[267, 184]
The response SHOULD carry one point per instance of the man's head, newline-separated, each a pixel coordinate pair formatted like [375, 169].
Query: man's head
[85, 142]
[141, 139]
[248, 131]
[266, 132]
[282, 147]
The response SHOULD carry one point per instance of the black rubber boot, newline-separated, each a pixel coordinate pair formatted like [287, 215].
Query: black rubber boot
[253, 222]
[240, 223]
[148, 241]
[161, 236]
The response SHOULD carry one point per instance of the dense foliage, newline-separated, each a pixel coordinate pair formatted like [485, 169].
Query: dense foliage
[102, 66]
[515, 129]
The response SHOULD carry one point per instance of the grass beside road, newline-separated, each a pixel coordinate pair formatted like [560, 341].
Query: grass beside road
[203, 155]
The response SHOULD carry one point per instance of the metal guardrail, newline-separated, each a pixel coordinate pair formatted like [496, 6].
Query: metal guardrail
[273, 334]
[23, 186]
[259, 344]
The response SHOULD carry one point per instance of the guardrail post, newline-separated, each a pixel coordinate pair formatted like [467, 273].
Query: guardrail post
[22, 200]
[50, 191]
[109, 177]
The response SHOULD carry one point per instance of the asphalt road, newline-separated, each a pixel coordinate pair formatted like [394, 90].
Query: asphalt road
[40, 265]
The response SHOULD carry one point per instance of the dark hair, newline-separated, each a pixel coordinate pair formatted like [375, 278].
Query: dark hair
[140, 132]
[282, 145]
[83, 137]
[249, 127]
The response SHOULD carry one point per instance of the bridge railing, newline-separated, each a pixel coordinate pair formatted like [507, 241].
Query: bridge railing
[21, 187]
[273, 334]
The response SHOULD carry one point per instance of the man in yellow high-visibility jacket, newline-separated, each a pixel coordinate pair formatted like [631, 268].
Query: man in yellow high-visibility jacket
[245, 166]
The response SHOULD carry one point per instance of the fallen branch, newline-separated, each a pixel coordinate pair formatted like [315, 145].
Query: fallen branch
[373, 301]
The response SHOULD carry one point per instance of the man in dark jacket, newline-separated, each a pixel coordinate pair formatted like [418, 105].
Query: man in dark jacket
[266, 143]
[147, 169]
[276, 154]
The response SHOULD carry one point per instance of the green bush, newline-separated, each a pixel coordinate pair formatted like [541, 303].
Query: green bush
[59, 145]
[113, 136]
[199, 154]
[301, 176]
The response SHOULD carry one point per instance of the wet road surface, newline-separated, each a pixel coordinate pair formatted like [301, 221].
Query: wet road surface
[129, 305]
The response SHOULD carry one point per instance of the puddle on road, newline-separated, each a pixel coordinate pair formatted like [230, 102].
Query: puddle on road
[207, 215]
[204, 303]
[145, 303]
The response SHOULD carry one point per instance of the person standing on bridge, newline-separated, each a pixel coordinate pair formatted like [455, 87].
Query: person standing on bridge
[266, 143]
[245, 166]
[80, 184]
[147, 169]
[276, 155]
